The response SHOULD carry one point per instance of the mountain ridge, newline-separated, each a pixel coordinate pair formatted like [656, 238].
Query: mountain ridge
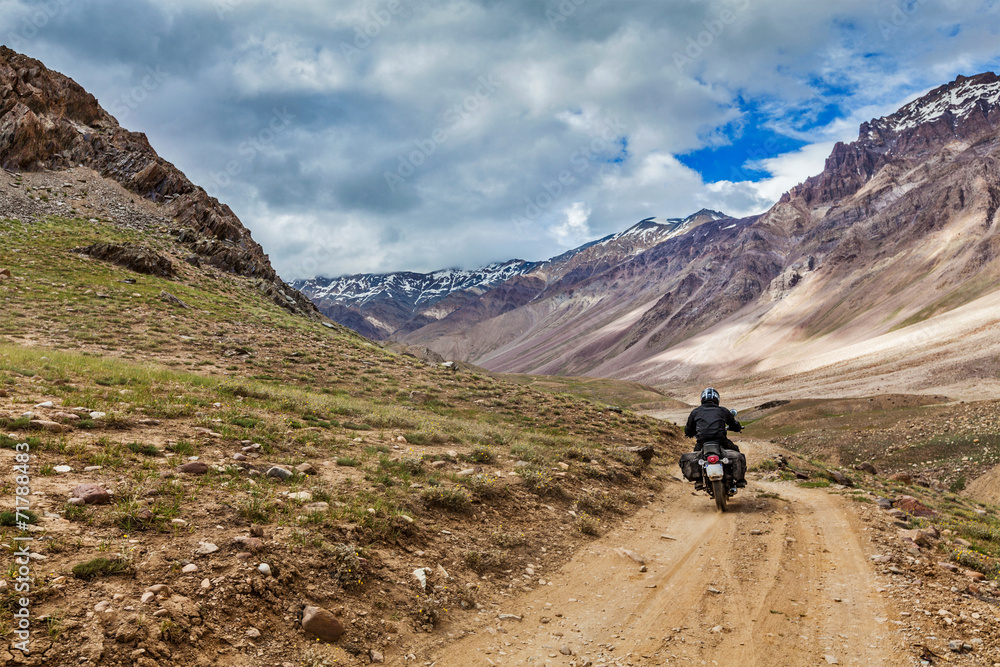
[899, 227]
[382, 305]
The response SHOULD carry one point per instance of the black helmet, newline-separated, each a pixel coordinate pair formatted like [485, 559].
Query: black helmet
[709, 396]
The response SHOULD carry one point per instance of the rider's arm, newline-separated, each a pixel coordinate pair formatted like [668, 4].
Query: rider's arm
[689, 429]
[732, 423]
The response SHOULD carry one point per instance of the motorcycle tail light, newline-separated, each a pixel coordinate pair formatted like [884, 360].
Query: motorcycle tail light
[712, 458]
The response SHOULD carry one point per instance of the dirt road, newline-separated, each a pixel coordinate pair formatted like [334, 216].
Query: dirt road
[773, 582]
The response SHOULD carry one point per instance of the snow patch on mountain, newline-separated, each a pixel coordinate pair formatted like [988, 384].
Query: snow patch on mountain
[959, 99]
[415, 288]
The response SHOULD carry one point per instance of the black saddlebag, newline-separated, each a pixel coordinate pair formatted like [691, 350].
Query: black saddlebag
[689, 466]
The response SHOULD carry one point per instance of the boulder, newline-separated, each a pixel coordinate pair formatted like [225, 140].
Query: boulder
[46, 425]
[245, 543]
[306, 469]
[321, 623]
[92, 494]
[194, 468]
[841, 478]
[645, 452]
[279, 472]
[914, 507]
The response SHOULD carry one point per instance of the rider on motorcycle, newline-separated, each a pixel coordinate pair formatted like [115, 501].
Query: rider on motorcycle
[709, 422]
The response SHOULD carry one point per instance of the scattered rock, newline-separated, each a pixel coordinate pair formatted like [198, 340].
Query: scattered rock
[279, 473]
[866, 467]
[189, 568]
[264, 569]
[306, 469]
[302, 496]
[46, 425]
[92, 494]
[245, 543]
[375, 656]
[509, 617]
[841, 478]
[565, 650]
[194, 468]
[253, 633]
[322, 623]
[205, 548]
[421, 575]
[645, 452]
[63, 469]
[914, 507]
[172, 300]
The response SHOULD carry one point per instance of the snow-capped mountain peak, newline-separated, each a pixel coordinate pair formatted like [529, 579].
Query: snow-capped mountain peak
[957, 99]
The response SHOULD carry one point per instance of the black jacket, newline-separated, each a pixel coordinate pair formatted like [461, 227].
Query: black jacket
[709, 422]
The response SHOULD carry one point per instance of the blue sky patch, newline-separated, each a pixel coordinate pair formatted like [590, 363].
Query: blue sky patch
[750, 139]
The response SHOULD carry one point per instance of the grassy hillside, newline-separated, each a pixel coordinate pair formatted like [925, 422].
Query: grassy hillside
[410, 465]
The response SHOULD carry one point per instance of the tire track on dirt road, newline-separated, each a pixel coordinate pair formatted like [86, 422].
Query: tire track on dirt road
[775, 581]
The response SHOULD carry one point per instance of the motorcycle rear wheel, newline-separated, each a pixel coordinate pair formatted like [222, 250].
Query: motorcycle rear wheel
[721, 498]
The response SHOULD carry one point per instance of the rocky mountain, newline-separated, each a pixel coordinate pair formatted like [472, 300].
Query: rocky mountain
[49, 122]
[380, 306]
[377, 305]
[899, 230]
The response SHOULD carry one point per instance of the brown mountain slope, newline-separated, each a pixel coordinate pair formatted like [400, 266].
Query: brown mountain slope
[48, 121]
[900, 228]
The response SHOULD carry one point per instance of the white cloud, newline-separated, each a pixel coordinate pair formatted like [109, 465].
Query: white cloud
[323, 178]
[573, 230]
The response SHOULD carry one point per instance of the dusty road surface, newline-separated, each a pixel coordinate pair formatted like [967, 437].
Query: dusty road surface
[772, 582]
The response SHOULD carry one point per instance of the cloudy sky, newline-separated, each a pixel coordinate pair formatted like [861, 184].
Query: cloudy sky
[384, 135]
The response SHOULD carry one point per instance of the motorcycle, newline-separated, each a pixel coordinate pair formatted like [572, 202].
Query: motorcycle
[714, 469]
